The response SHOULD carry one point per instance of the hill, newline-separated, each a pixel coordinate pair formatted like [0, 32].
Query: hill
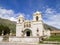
[8, 23]
[46, 26]
[12, 25]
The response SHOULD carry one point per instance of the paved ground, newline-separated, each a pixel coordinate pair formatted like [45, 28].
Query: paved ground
[18, 43]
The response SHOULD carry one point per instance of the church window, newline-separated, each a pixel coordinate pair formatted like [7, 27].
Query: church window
[24, 25]
[19, 20]
[37, 34]
[36, 18]
[29, 25]
[37, 30]
[23, 20]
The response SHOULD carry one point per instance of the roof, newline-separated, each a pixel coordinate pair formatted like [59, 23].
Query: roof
[56, 31]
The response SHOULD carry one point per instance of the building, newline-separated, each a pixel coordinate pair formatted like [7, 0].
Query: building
[30, 30]
[55, 33]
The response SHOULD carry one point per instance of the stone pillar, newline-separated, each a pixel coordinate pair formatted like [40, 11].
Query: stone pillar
[2, 33]
[22, 33]
[10, 32]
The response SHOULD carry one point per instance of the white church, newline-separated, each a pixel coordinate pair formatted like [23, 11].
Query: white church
[30, 31]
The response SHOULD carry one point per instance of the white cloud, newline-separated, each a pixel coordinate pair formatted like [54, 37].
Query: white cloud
[49, 10]
[5, 11]
[13, 19]
[7, 14]
[52, 17]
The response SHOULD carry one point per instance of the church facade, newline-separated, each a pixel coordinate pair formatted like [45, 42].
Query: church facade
[30, 29]
[33, 28]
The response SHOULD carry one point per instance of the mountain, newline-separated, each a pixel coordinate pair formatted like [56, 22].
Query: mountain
[46, 26]
[12, 25]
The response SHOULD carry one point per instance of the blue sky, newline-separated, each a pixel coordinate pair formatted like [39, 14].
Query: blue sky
[11, 9]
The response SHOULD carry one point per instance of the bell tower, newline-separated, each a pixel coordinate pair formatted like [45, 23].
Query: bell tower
[20, 19]
[37, 24]
[37, 16]
[20, 25]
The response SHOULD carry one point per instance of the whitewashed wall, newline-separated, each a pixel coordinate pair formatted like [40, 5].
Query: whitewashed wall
[24, 40]
[1, 38]
[47, 33]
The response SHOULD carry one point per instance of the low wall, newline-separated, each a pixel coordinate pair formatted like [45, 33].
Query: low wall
[1, 38]
[24, 39]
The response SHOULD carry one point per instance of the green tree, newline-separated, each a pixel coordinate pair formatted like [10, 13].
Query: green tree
[6, 30]
[1, 28]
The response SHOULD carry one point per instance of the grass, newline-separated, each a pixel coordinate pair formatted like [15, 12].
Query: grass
[54, 38]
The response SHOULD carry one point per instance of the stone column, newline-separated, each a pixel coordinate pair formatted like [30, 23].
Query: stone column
[22, 33]
[2, 32]
[10, 32]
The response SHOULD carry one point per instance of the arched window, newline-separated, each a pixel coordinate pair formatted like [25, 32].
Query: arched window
[37, 30]
[37, 34]
[36, 18]
[19, 20]
[29, 25]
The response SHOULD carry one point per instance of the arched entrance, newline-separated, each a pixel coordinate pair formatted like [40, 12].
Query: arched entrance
[27, 32]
